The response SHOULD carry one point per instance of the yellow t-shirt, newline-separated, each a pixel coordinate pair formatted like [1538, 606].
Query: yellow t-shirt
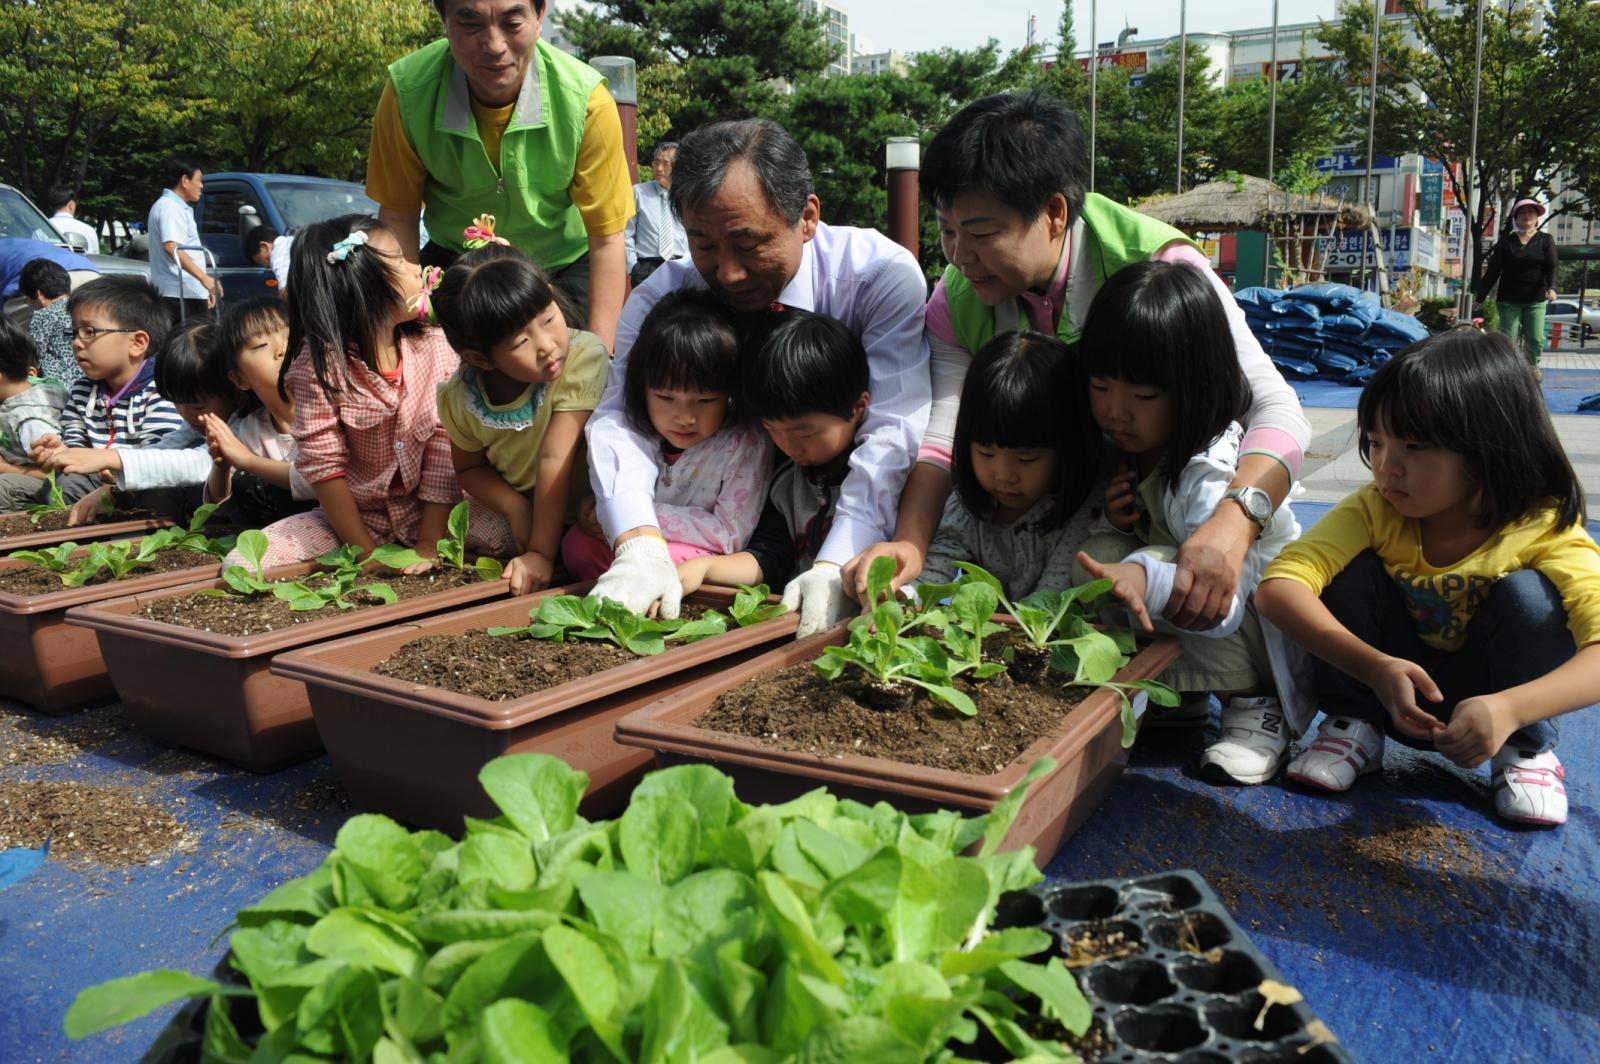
[509, 437]
[1442, 600]
[600, 189]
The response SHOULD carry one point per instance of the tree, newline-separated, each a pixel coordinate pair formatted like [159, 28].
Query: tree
[1317, 111]
[1540, 98]
[732, 52]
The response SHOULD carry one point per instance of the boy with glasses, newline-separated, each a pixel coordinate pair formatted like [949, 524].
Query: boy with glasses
[117, 323]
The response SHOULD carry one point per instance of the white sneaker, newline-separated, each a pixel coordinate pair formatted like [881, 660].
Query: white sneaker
[1254, 742]
[1193, 712]
[1529, 788]
[1344, 750]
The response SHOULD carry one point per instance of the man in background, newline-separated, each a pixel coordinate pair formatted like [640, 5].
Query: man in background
[654, 234]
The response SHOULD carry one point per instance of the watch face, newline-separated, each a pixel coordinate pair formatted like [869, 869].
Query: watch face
[1259, 504]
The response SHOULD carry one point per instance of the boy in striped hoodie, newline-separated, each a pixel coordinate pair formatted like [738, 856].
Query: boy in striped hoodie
[117, 323]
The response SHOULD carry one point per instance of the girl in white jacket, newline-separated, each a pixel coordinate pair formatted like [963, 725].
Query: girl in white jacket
[1165, 387]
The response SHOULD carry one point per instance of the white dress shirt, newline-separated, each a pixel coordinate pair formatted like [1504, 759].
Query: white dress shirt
[171, 219]
[653, 232]
[65, 223]
[877, 290]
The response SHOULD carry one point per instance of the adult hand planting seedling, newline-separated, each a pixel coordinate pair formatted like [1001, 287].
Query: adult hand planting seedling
[643, 578]
[818, 594]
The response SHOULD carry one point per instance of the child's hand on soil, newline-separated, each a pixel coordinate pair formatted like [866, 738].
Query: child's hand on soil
[1128, 582]
[1122, 502]
[692, 573]
[430, 558]
[529, 572]
[224, 446]
[1397, 683]
[86, 509]
[1477, 730]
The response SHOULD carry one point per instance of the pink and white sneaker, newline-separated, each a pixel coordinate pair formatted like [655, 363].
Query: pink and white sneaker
[1343, 751]
[1529, 788]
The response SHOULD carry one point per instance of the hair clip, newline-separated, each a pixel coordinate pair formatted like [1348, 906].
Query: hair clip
[341, 250]
[422, 306]
[481, 234]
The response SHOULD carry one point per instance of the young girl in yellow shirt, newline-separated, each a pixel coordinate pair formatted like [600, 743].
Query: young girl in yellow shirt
[1454, 602]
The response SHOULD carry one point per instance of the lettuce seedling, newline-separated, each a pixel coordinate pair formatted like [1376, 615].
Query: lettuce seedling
[692, 927]
[562, 617]
[57, 559]
[750, 606]
[332, 588]
[452, 550]
[54, 503]
[880, 648]
[189, 538]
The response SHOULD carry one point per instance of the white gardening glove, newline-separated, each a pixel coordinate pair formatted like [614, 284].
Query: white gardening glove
[818, 593]
[642, 574]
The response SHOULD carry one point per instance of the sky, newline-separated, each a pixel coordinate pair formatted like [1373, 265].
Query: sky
[920, 25]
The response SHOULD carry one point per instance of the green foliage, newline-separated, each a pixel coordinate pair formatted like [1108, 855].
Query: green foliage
[1432, 313]
[57, 559]
[452, 550]
[333, 585]
[124, 556]
[54, 503]
[693, 927]
[192, 537]
[563, 617]
[750, 606]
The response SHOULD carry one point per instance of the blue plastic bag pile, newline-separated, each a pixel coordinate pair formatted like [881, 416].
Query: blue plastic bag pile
[1329, 332]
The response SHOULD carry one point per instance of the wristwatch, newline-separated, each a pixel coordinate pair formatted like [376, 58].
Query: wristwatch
[1256, 504]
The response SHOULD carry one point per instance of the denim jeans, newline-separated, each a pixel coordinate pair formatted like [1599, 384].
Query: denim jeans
[1519, 633]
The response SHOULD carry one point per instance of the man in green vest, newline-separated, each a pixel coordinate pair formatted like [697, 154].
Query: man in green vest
[1028, 247]
[492, 120]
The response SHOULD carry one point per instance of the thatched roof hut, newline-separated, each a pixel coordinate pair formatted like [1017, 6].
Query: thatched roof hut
[1250, 203]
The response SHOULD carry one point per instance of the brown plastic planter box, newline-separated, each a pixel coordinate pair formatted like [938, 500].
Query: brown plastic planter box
[212, 692]
[1087, 748]
[414, 752]
[48, 663]
[81, 534]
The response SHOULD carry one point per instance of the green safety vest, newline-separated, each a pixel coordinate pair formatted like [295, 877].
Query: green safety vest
[529, 195]
[1116, 237]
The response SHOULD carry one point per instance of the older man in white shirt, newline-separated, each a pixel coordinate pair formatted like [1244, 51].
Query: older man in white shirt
[654, 235]
[743, 191]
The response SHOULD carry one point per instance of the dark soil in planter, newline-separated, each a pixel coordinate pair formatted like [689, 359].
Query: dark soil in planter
[796, 709]
[36, 580]
[500, 668]
[231, 615]
[22, 524]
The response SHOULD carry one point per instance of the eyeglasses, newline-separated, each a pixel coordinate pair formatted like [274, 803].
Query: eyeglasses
[90, 333]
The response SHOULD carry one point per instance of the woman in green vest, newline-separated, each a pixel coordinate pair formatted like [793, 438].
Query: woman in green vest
[492, 120]
[1028, 247]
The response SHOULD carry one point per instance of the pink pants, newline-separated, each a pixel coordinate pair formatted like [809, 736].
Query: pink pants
[586, 557]
[306, 536]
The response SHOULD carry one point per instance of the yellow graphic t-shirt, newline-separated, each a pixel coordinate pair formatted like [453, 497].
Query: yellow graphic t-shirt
[1443, 600]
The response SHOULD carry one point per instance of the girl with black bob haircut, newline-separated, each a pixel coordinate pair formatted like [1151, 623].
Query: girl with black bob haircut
[712, 466]
[1459, 391]
[516, 410]
[1024, 459]
[1454, 602]
[1164, 384]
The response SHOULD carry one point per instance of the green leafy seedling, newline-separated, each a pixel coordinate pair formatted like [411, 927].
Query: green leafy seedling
[57, 559]
[452, 550]
[563, 617]
[54, 503]
[750, 606]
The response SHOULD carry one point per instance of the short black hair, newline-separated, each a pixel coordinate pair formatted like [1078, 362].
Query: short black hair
[258, 235]
[17, 353]
[242, 322]
[177, 167]
[1473, 393]
[1025, 391]
[130, 302]
[1021, 148]
[1162, 325]
[489, 294]
[775, 157]
[187, 369]
[441, 6]
[59, 196]
[44, 278]
[687, 342]
[340, 309]
[805, 364]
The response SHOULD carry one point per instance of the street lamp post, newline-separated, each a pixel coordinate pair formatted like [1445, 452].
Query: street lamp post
[903, 159]
[1272, 97]
[1094, 71]
[1183, 65]
[1469, 248]
[1371, 194]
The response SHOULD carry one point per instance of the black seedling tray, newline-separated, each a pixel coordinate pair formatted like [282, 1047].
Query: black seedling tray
[1182, 987]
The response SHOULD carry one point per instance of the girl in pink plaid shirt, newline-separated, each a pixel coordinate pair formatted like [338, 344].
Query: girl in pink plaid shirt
[363, 374]
[711, 470]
